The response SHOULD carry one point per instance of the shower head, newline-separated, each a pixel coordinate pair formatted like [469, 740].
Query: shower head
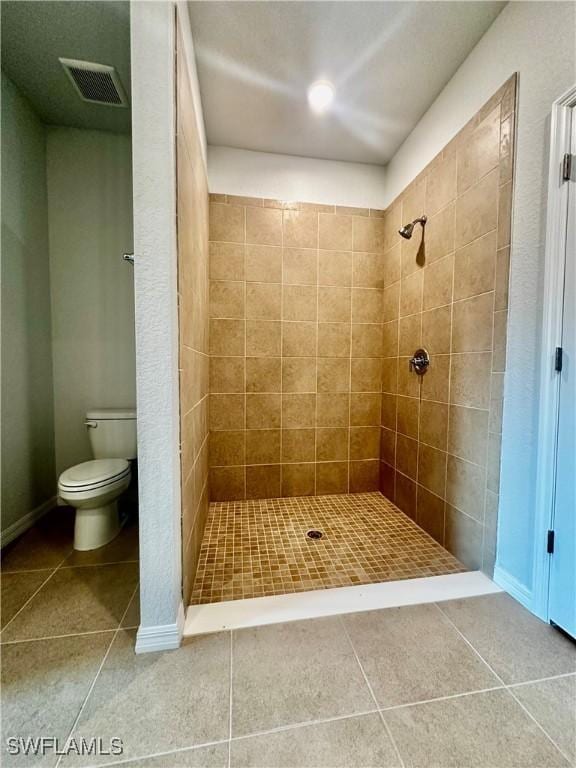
[407, 230]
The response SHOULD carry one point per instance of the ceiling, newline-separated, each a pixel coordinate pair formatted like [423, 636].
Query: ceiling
[35, 34]
[387, 60]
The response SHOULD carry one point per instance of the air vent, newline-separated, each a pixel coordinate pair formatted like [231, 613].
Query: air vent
[96, 83]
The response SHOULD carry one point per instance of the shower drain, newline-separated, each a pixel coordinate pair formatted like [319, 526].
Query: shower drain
[314, 534]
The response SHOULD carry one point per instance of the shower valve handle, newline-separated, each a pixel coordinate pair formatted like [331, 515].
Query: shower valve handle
[420, 362]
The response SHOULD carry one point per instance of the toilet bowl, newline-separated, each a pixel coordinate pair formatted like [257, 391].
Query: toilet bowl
[93, 487]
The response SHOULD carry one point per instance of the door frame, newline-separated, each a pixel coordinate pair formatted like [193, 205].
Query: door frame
[552, 313]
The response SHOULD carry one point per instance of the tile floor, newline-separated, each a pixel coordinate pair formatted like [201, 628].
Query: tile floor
[257, 548]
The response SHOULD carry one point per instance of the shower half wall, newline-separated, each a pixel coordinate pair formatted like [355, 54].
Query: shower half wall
[315, 311]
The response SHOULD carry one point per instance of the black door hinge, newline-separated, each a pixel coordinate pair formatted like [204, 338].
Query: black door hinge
[558, 359]
[567, 167]
[550, 543]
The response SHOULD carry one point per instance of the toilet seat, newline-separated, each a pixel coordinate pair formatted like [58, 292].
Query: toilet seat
[92, 475]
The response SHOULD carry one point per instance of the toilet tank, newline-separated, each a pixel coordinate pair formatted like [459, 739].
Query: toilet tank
[112, 432]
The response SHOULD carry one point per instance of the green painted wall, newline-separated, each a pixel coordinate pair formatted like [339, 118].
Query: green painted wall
[27, 444]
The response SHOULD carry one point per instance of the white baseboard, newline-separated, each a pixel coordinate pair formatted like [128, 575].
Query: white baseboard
[514, 588]
[258, 611]
[26, 521]
[162, 637]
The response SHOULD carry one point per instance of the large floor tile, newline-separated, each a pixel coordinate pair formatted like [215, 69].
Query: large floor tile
[291, 673]
[44, 683]
[16, 589]
[518, 646]
[482, 730]
[76, 600]
[553, 704]
[350, 743]
[156, 702]
[213, 756]
[45, 545]
[131, 618]
[413, 653]
[123, 548]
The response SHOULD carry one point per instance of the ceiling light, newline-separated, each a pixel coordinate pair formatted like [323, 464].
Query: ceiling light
[320, 95]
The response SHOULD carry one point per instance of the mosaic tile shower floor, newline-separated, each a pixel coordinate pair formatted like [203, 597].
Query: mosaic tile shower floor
[259, 547]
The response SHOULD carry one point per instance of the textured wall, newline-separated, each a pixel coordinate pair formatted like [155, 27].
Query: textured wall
[28, 477]
[91, 226]
[192, 204]
[446, 289]
[295, 348]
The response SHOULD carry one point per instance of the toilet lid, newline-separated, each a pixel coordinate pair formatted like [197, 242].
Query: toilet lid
[95, 472]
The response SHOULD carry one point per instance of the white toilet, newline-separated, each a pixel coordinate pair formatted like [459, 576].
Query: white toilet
[93, 487]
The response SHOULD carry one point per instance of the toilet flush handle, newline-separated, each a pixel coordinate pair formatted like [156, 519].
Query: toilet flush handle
[91, 424]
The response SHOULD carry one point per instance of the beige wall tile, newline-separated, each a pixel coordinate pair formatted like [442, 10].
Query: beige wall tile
[414, 200]
[366, 305]
[227, 483]
[474, 267]
[504, 214]
[388, 446]
[465, 487]
[390, 374]
[499, 352]
[408, 409]
[298, 479]
[263, 482]
[439, 235]
[263, 226]
[477, 210]
[333, 374]
[226, 374]
[468, 434]
[334, 305]
[430, 513]
[263, 338]
[299, 339]
[299, 302]
[392, 223]
[300, 229]
[298, 411]
[263, 374]
[227, 337]
[367, 234]
[408, 382]
[392, 265]
[436, 380]
[226, 299]
[366, 374]
[227, 412]
[335, 268]
[413, 252]
[409, 334]
[436, 330]
[411, 294]
[298, 445]
[332, 477]
[364, 476]
[472, 324]
[334, 339]
[263, 301]
[407, 456]
[388, 412]
[364, 409]
[332, 409]
[332, 444]
[434, 424]
[335, 232]
[364, 443]
[441, 185]
[438, 283]
[227, 223]
[368, 270]
[432, 469]
[390, 338]
[255, 202]
[463, 537]
[262, 446]
[263, 411]
[299, 266]
[299, 374]
[227, 448]
[502, 277]
[263, 264]
[391, 303]
[226, 261]
[367, 339]
[405, 494]
[470, 380]
[493, 462]
[480, 153]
